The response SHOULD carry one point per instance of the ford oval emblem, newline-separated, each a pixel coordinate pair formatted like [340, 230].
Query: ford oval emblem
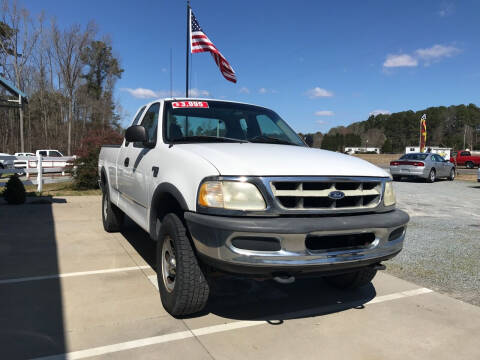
[336, 195]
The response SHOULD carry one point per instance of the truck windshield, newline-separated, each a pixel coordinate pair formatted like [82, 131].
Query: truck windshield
[218, 121]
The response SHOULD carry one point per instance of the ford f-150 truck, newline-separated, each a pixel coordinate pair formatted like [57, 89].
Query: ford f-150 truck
[465, 158]
[228, 187]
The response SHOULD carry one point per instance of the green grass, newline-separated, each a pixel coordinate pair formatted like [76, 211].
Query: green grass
[60, 189]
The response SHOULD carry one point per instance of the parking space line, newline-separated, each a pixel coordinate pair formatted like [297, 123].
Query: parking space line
[134, 344]
[80, 273]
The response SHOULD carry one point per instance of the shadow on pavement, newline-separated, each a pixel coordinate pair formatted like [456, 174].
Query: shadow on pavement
[248, 299]
[31, 318]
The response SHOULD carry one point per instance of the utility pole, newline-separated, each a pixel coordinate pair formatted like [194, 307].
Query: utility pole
[188, 47]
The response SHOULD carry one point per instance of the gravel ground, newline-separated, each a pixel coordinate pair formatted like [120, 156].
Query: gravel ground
[442, 248]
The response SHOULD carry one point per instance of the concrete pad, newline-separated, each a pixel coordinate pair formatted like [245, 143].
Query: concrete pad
[410, 328]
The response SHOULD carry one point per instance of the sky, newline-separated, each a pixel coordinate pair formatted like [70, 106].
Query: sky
[318, 64]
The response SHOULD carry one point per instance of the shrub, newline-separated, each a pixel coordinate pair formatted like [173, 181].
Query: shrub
[86, 175]
[14, 192]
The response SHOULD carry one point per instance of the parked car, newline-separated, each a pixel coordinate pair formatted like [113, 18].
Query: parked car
[422, 165]
[6, 161]
[230, 187]
[465, 158]
[22, 163]
[49, 153]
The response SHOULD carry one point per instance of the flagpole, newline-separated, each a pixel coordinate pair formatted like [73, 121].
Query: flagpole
[188, 47]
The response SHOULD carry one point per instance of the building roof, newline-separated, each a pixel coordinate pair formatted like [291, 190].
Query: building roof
[12, 88]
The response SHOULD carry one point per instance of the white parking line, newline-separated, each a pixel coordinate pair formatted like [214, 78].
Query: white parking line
[134, 344]
[81, 273]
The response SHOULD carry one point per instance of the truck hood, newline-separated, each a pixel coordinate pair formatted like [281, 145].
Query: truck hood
[250, 159]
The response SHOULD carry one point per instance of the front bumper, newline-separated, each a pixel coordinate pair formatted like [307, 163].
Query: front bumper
[213, 238]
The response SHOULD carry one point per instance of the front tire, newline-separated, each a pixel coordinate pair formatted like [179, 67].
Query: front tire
[352, 280]
[451, 177]
[432, 176]
[183, 286]
[112, 216]
[470, 165]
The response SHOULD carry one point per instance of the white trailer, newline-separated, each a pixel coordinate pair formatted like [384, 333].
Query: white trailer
[442, 151]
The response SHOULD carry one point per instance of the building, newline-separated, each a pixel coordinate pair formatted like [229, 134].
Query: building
[361, 150]
[443, 152]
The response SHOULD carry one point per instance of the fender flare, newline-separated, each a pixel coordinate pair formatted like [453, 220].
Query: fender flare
[103, 173]
[164, 188]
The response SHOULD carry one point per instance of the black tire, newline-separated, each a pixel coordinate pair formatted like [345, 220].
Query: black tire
[112, 216]
[432, 176]
[469, 164]
[451, 177]
[397, 178]
[352, 280]
[190, 289]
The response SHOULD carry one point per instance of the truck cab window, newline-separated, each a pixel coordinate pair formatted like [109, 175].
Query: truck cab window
[136, 120]
[150, 123]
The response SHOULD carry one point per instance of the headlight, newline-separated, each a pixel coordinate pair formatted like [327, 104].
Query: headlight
[389, 194]
[232, 195]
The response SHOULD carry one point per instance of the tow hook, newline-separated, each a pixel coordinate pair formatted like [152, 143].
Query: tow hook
[379, 266]
[284, 279]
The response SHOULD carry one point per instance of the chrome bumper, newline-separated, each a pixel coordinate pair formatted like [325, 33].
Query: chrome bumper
[213, 236]
[422, 172]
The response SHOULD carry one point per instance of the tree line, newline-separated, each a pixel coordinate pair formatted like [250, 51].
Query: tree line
[69, 76]
[456, 126]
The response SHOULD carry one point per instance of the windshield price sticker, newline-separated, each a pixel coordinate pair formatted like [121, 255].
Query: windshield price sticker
[190, 104]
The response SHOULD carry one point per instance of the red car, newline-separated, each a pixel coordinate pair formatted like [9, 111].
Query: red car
[465, 158]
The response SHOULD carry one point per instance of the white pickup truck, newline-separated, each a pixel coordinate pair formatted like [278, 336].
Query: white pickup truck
[230, 187]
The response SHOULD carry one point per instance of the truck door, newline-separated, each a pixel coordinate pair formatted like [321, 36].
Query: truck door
[135, 170]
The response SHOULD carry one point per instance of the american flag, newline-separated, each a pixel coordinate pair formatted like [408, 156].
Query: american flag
[199, 42]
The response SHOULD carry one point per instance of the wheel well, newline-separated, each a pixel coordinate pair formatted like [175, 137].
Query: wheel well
[166, 199]
[103, 178]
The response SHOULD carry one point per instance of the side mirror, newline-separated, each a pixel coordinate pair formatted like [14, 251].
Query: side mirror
[308, 140]
[136, 133]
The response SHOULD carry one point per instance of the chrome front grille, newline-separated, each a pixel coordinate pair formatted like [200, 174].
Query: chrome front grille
[314, 195]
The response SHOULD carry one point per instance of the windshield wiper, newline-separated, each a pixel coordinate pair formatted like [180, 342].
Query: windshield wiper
[205, 138]
[270, 140]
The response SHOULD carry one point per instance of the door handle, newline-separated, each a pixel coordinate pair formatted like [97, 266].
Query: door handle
[127, 160]
[155, 171]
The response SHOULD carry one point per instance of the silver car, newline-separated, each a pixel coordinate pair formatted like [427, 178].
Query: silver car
[422, 165]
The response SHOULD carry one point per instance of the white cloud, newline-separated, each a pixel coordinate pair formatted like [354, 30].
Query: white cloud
[318, 92]
[436, 52]
[401, 60]
[378, 112]
[262, 91]
[244, 90]
[199, 93]
[141, 93]
[324, 113]
[446, 9]
[321, 122]
[426, 56]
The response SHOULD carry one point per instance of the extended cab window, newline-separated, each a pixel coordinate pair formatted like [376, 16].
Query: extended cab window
[465, 153]
[150, 123]
[218, 121]
[55, 154]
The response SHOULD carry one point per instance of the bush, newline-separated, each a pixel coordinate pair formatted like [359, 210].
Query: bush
[86, 175]
[14, 192]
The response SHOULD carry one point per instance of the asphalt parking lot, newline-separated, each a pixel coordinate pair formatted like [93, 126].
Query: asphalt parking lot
[70, 290]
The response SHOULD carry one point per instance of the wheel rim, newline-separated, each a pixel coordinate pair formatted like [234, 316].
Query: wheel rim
[452, 174]
[432, 175]
[105, 206]
[169, 264]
